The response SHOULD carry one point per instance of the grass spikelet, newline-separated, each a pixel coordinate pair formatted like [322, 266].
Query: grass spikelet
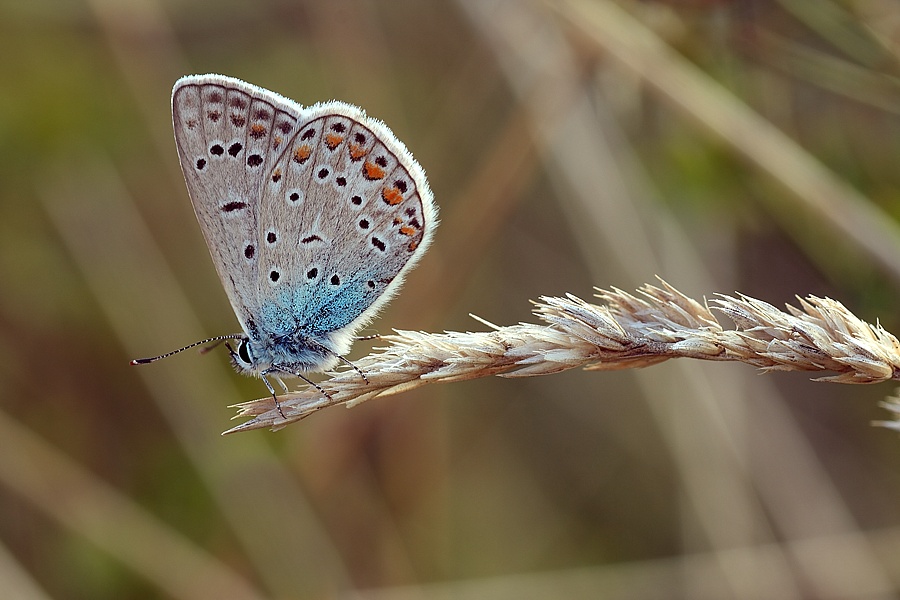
[625, 332]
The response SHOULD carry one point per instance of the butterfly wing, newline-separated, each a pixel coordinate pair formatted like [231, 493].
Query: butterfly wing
[312, 215]
[344, 214]
[229, 135]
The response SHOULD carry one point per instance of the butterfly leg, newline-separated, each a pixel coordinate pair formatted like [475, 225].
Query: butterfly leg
[340, 358]
[281, 383]
[300, 376]
[272, 390]
[355, 368]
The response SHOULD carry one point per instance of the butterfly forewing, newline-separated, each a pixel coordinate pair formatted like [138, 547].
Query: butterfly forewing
[228, 136]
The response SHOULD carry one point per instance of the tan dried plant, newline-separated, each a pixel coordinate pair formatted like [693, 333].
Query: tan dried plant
[625, 332]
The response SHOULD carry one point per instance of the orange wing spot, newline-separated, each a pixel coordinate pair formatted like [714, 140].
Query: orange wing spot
[357, 152]
[413, 245]
[302, 154]
[407, 230]
[332, 140]
[372, 171]
[276, 141]
[392, 196]
[257, 131]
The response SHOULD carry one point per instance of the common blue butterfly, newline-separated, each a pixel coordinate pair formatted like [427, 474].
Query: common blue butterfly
[312, 215]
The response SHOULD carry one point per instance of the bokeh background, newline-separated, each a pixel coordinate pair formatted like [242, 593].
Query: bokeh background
[725, 146]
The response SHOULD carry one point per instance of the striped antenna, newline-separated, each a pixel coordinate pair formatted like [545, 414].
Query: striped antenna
[213, 340]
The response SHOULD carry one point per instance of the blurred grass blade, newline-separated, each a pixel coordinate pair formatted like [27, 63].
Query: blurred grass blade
[147, 310]
[92, 508]
[822, 193]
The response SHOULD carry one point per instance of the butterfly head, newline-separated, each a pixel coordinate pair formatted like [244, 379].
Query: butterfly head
[243, 358]
[289, 354]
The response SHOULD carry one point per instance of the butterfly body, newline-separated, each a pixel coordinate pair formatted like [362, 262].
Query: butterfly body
[312, 215]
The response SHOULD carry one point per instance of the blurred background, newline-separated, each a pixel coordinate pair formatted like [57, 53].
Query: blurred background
[725, 146]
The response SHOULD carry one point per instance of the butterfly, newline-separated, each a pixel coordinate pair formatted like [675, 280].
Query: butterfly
[312, 215]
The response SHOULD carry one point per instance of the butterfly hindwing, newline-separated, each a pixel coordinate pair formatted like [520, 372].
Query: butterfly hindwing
[346, 217]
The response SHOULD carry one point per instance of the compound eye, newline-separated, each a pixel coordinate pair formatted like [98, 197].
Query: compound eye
[243, 352]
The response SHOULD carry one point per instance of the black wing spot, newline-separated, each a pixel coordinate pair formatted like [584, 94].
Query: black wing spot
[249, 251]
[311, 238]
[381, 161]
[335, 280]
[339, 127]
[311, 274]
[254, 160]
[285, 127]
[294, 197]
[216, 150]
[359, 138]
[341, 181]
[233, 206]
[309, 133]
[271, 237]
[356, 200]
[364, 223]
[234, 149]
[371, 284]
[274, 276]
[378, 243]
[400, 185]
[322, 174]
[201, 162]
